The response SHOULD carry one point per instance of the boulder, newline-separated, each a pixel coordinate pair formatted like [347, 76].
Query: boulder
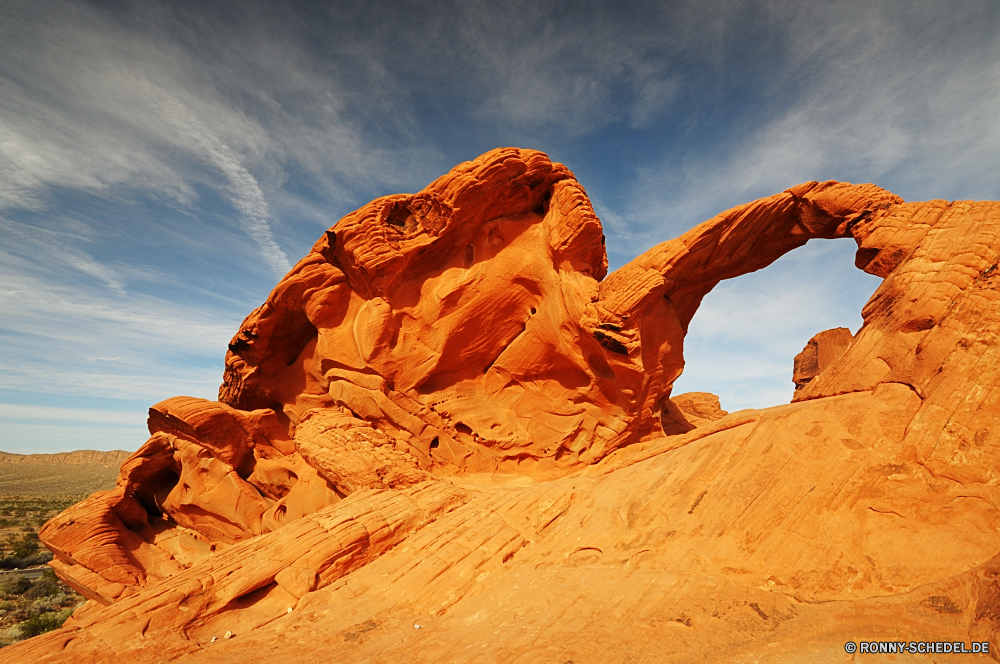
[820, 352]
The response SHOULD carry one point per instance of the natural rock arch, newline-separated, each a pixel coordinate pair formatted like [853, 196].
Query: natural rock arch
[475, 316]
[332, 489]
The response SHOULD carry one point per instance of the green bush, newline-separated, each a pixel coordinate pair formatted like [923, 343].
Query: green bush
[43, 587]
[14, 586]
[25, 548]
[39, 558]
[44, 622]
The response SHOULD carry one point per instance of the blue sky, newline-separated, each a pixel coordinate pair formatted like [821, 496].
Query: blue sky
[162, 164]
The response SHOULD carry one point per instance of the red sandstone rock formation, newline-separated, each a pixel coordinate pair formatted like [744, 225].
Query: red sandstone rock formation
[699, 407]
[447, 436]
[820, 352]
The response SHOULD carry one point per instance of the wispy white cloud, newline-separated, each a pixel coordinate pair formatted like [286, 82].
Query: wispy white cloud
[47, 414]
[245, 193]
[63, 339]
[139, 105]
[532, 64]
[37, 241]
[879, 92]
[654, 96]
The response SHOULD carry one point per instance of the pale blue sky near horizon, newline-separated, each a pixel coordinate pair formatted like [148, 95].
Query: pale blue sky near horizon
[163, 163]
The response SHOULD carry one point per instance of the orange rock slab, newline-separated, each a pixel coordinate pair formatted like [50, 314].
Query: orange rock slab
[448, 436]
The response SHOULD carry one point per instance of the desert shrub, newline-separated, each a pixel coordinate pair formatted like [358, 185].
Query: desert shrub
[25, 548]
[39, 558]
[43, 587]
[43, 622]
[14, 586]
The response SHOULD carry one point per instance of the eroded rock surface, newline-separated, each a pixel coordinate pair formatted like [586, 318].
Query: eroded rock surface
[820, 352]
[448, 436]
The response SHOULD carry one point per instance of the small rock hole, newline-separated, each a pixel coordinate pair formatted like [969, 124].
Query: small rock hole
[399, 215]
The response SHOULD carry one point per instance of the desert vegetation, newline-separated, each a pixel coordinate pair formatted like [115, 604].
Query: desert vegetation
[30, 606]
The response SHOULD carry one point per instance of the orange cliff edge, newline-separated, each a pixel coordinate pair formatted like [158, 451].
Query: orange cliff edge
[447, 436]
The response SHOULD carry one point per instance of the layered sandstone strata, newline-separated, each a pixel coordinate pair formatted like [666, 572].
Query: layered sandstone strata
[448, 436]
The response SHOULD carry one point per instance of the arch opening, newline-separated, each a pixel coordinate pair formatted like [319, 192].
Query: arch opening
[742, 341]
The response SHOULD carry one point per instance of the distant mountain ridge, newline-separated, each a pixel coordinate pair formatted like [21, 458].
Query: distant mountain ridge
[114, 457]
[79, 472]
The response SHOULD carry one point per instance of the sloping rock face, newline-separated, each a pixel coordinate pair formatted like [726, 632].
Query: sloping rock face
[448, 436]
